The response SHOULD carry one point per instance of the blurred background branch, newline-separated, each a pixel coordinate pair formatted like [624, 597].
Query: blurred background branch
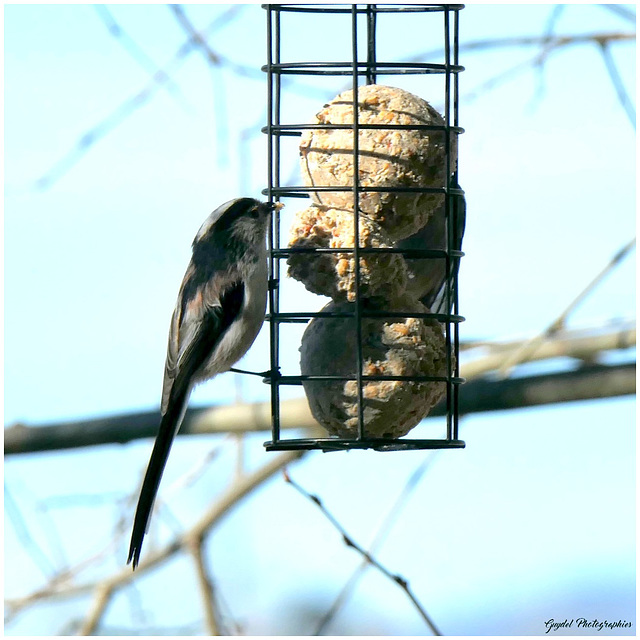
[587, 381]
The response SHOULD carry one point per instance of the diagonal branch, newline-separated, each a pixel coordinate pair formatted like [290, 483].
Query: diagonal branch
[194, 35]
[618, 84]
[138, 54]
[622, 11]
[33, 550]
[214, 62]
[552, 20]
[526, 350]
[250, 417]
[61, 587]
[121, 113]
[379, 538]
[546, 40]
[399, 580]
[548, 45]
[88, 139]
[102, 598]
[205, 583]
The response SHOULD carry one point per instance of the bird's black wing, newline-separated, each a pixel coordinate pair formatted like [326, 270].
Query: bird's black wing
[436, 300]
[191, 342]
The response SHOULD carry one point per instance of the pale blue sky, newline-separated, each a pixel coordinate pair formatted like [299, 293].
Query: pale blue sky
[535, 519]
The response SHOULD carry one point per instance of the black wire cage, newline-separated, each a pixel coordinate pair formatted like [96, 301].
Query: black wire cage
[365, 33]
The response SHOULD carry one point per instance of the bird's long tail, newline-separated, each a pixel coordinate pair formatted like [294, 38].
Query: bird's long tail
[169, 426]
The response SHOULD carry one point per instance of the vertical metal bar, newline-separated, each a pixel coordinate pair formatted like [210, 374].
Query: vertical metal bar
[356, 215]
[456, 328]
[273, 169]
[455, 75]
[371, 43]
[448, 215]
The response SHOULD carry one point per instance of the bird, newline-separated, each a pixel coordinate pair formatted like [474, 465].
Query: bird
[428, 280]
[219, 312]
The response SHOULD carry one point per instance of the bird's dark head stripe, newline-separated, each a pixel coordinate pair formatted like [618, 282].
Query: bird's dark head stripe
[224, 216]
[237, 208]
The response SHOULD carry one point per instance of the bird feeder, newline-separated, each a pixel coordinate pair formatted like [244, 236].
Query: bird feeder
[376, 223]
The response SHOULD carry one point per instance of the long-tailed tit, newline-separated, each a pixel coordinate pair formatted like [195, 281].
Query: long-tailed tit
[219, 312]
[429, 281]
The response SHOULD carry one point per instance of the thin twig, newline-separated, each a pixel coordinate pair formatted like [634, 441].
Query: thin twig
[219, 508]
[549, 46]
[618, 83]
[509, 42]
[39, 557]
[399, 580]
[88, 139]
[219, 94]
[205, 583]
[547, 36]
[214, 58]
[380, 536]
[194, 35]
[101, 600]
[184, 630]
[556, 11]
[616, 328]
[528, 348]
[621, 10]
[138, 54]
[61, 585]
[196, 471]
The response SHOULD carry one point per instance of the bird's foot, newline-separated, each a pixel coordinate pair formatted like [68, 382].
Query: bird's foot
[262, 374]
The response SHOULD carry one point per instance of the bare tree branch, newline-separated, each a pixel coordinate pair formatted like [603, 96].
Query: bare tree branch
[88, 139]
[548, 46]
[621, 11]
[348, 540]
[103, 593]
[295, 414]
[528, 348]
[194, 472]
[618, 84]
[213, 62]
[61, 587]
[121, 429]
[378, 539]
[559, 345]
[623, 328]
[205, 583]
[556, 11]
[548, 41]
[32, 548]
[138, 54]
[476, 396]
[585, 383]
[210, 55]
[541, 41]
